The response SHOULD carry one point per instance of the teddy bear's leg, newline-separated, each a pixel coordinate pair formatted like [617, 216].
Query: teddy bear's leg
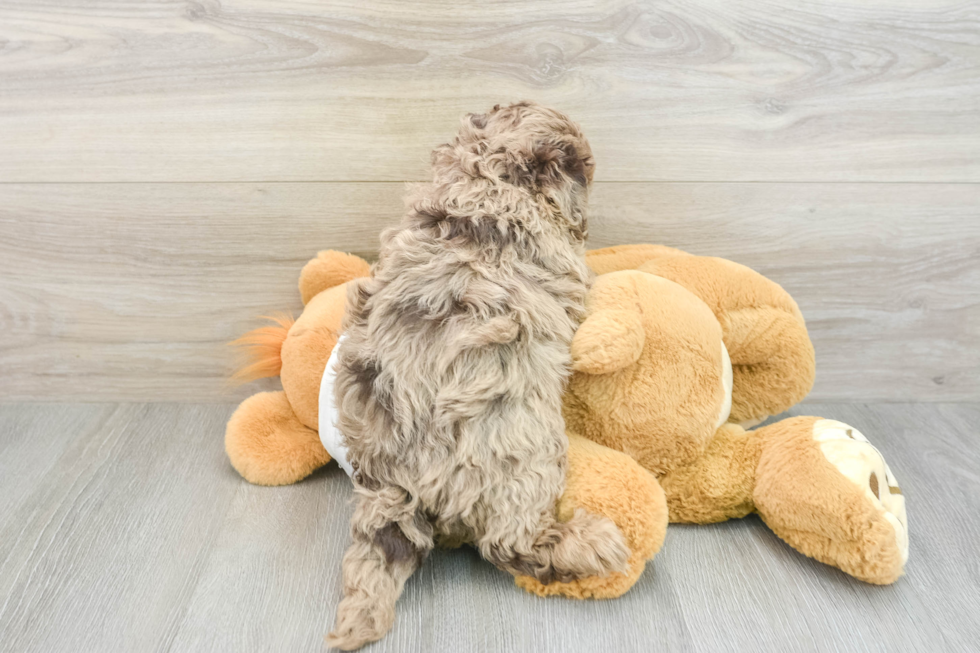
[765, 334]
[826, 491]
[719, 484]
[329, 269]
[772, 359]
[626, 257]
[268, 445]
[609, 483]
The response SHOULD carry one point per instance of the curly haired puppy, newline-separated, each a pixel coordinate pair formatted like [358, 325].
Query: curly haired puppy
[450, 375]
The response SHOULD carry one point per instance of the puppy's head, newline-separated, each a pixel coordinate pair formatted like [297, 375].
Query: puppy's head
[527, 146]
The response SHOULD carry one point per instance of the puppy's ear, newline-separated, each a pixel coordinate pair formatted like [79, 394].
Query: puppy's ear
[551, 164]
[478, 120]
[554, 160]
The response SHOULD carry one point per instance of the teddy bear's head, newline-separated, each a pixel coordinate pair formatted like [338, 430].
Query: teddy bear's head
[651, 374]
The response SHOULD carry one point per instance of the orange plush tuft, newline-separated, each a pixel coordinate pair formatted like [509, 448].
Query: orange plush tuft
[263, 347]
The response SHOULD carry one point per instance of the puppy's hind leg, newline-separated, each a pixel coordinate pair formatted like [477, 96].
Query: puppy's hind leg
[585, 545]
[390, 541]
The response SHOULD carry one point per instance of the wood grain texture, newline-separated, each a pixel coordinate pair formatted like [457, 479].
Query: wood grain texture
[122, 527]
[129, 291]
[133, 533]
[294, 90]
[107, 547]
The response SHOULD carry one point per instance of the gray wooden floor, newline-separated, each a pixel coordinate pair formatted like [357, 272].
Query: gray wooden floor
[123, 528]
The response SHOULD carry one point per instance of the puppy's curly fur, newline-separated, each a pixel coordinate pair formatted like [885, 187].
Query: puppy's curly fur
[450, 377]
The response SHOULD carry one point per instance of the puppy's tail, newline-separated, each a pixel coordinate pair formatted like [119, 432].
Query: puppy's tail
[262, 349]
[586, 545]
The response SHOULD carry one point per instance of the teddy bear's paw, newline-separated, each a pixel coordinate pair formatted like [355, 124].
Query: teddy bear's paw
[268, 445]
[828, 493]
[860, 462]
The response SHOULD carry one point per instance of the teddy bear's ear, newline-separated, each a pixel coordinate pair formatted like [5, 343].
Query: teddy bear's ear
[608, 341]
[329, 269]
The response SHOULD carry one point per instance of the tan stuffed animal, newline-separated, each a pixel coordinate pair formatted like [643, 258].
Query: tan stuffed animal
[675, 346]
[678, 354]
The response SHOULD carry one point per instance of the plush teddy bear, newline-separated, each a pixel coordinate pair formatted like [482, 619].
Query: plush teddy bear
[677, 356]
[676, 352]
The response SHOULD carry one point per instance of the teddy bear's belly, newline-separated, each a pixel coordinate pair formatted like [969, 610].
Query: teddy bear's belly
[727, 382]
[330, 435]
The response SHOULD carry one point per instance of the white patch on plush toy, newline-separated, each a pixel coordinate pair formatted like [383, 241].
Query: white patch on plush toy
[752, 423]
[857, 459]
[330, 435]
[727, 382]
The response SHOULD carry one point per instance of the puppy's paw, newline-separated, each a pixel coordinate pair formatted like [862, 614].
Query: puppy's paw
[591, 546]
[611, 548]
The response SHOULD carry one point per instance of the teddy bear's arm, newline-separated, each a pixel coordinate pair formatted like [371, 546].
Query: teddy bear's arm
[607, 342]
[612, 337]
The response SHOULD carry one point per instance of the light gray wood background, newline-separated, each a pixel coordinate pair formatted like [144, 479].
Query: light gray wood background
[123, 528]
[167, 167]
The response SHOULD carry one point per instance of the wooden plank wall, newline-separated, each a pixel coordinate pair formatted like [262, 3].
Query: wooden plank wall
[167, 167]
